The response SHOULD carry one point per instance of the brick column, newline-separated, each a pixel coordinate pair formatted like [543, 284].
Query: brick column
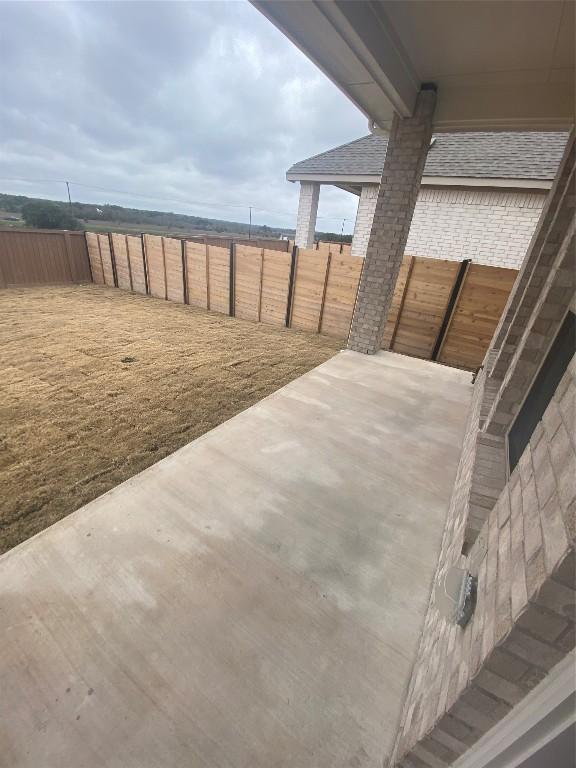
[364, 219]
[403, 167]
[307, 210]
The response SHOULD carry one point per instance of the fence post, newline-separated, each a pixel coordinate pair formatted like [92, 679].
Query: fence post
[184, 271]
[291, 285]
[232, 280]
[144, 262]
[113, 259]
[449, 314]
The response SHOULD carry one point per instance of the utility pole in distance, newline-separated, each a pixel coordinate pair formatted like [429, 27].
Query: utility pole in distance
[68, 189]
[250, 225]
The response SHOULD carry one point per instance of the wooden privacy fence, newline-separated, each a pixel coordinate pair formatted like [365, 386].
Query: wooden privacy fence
[306, 289]
[442, 310]
[37, 256]
[446, 310]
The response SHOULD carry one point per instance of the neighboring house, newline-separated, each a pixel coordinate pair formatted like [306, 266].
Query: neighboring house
[481, 194]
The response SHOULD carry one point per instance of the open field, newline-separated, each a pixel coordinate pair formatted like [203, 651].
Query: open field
[98, 384]
[125, 228]
[134, 229]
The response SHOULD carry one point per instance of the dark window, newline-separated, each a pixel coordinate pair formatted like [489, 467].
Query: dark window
[542, 389]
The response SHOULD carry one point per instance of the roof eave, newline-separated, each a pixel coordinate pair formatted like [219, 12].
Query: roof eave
[334, 178]
[430, 181]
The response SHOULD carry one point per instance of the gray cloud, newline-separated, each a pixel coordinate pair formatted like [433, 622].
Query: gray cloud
[194, 102]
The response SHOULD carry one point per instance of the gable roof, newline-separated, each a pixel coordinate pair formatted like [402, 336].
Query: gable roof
[534, 155]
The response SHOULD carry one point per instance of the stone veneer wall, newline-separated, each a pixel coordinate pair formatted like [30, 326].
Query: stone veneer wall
[465, 681]
[401, 176]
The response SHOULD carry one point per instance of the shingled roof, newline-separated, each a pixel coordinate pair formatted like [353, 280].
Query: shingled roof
[468, 155]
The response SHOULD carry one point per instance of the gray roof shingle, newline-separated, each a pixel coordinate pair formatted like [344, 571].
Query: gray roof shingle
[534, 155]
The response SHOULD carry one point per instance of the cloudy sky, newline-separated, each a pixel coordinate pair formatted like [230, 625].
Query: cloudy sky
[194, 107]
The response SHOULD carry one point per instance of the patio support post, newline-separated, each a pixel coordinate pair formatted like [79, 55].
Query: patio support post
[401, 176]
[307, 211]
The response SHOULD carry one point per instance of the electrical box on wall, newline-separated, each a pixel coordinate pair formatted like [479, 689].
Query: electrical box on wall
[456, 595]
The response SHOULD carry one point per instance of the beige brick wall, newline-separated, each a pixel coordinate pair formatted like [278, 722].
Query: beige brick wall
[521, 543]
[465, 681]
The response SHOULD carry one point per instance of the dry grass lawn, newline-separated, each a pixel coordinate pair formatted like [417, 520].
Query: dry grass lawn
[98, 384]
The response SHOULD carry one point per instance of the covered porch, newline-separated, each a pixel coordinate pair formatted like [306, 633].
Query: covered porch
[256, 598]
[414, 69]
[418, 68]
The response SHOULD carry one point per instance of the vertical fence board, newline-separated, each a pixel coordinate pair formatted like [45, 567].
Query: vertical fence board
[155, 266]
[275, 282]
[219, 281]
[81, 265]
[308, 289]
[122, 264]
[341, 290]
[136, 259]
[106, 256]
[174, 272]
[248, 263]
[196, 261]
[424, 307]
[476, 315]
[95, 258]
[397, 302]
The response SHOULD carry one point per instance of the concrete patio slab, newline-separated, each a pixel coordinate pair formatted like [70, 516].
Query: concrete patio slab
[252, 601]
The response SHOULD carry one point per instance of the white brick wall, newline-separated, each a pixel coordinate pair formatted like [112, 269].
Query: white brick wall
[364, 217]
[488, 226]
[307, 212]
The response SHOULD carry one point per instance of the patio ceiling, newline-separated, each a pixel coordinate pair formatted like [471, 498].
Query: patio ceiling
[497, 65]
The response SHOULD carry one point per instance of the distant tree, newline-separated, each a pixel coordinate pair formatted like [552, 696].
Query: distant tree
[43, 214]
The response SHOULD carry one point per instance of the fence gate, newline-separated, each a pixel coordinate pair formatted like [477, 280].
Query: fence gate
[446, 310]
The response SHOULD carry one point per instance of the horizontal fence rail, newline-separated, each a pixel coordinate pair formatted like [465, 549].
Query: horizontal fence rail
[35, 257]
[226, 242]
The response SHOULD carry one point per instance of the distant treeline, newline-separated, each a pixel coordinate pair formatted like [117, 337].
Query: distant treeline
[117, 214]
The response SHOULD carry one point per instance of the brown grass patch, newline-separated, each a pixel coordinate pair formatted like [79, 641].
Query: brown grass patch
[98, 384]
